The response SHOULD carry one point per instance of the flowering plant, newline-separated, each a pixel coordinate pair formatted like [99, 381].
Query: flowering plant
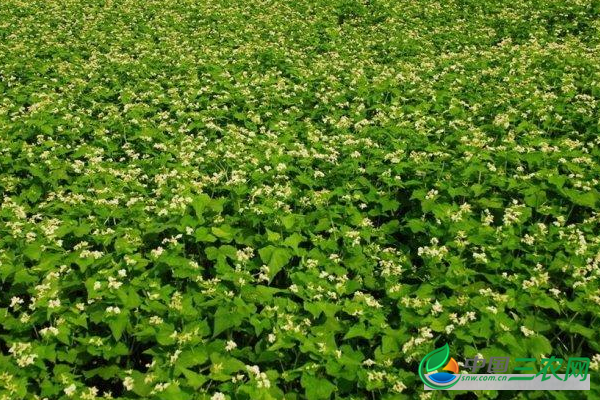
[267, 199]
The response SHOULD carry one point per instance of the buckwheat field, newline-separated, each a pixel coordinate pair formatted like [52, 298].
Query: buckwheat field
[269, 199]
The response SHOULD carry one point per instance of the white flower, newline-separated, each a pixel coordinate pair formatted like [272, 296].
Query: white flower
[55, 303]
[157, 252]
[128, 383]
[113, 283]
[70, 390]
[481, 257]
[526, 331]
[437, 308]
[51, 330]
[113, 310]
[91, 254]
[175, 356]
[15, 301]
[555, 292]
[218, 396]
[129, 260]
[399, 387]
[431, 194]
[230, 345]
[160, 387]
[595, 364]
[263, 381]
[254, 369]
[502, 120]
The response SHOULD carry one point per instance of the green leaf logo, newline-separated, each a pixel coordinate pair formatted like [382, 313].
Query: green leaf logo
[433, 361]
[437, 358]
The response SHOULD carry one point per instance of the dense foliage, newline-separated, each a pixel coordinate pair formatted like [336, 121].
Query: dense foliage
[254, 199]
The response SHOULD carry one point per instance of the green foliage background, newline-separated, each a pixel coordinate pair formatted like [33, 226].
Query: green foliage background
[254, 199]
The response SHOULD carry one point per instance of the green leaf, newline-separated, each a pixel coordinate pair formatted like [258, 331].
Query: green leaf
[288, 221]
[192, 357]
[194, 379]
[316, 388]
[275, 257]
[273, 236]
[22, 276]
[258, 294]
[118, 323]
[389, 204]
[200, 203]
[481, 328]
[587, 199]
[8, 269]
[293, 241]
[33, 193]
[546, 302]
[224, 232]
[225, 319]
[389, 344]
[33, 251]
[538, 345]
[557, 180]
[359, 330]
[416, 225]
[319, 307]
[104, 372]
[202, 234]
[536, 198]
[577, 328]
